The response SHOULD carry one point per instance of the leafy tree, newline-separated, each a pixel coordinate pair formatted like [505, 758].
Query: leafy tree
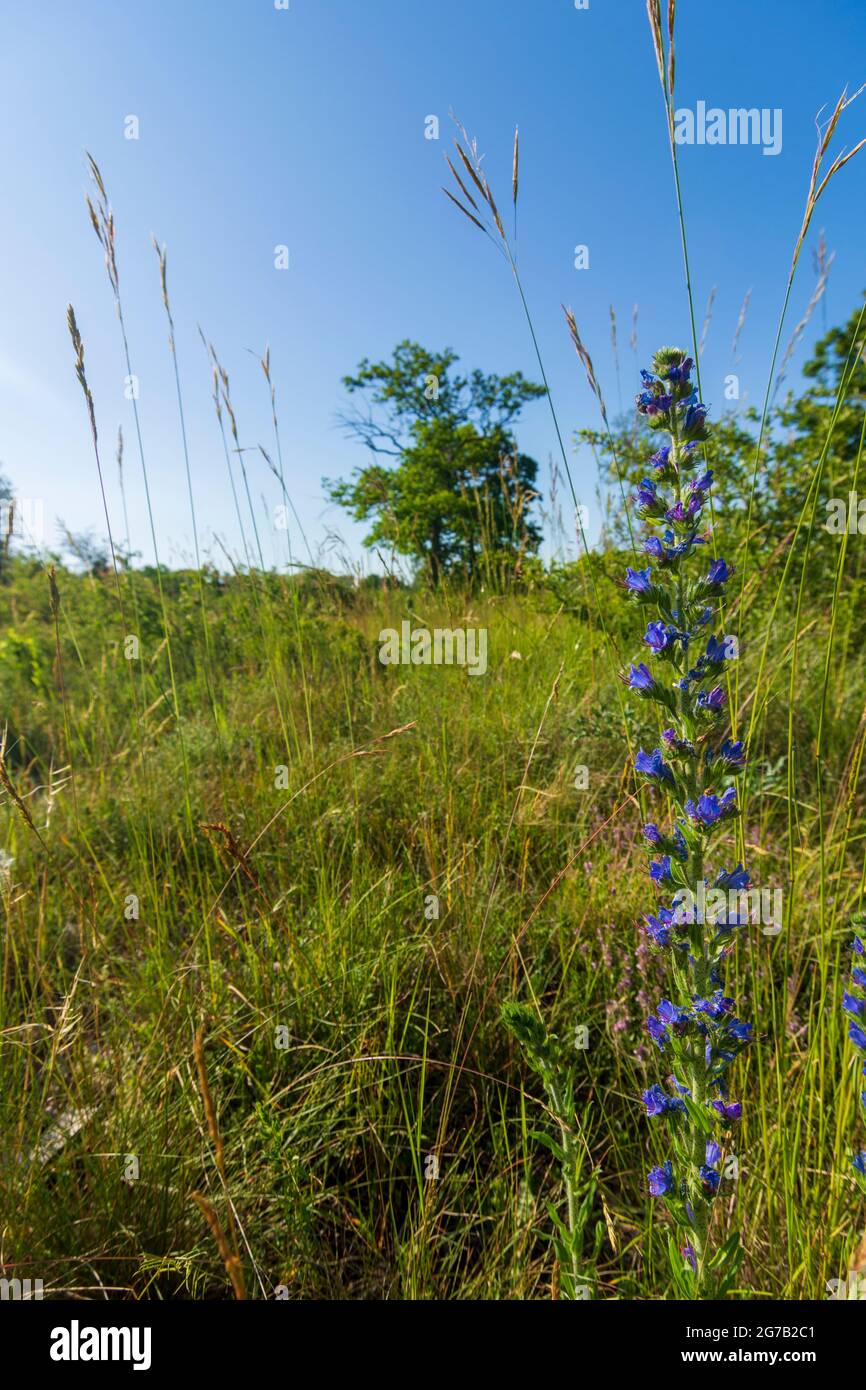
[91, 554]
[447, 486]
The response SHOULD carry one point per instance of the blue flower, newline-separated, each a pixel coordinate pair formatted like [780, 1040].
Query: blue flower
[730, 754]
[741, 1031]
[859, 1162]
[659, 927]
[737, 878]
[728, 801]
[717, 652]
[655, 1100]
[679, 374]
[859, 977]
[653, 834]
[660, 870]
[658, 637]
[695, 421]
[647, 499]
[709, 1179]
[661, 1180]
[641, 678]
[714, 1152]
[676, 1018]
[732, 1111]
[639, 581]
[719, 574]
[852, 1005]
[712, 700]
[857, 1036]
[660, 459]
[859, 948]
[707, 811]
[716, 1007]
[653, 765]
[657, 1032]
[658, 1103]
[683, 746]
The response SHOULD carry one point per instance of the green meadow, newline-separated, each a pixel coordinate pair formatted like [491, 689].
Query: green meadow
[335, 872]
[265, 894]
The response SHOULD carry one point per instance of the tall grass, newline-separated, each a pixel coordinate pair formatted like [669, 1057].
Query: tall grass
[267, 898]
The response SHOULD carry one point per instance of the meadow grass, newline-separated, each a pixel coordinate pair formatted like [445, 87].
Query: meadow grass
[308, 907]
[267, 897]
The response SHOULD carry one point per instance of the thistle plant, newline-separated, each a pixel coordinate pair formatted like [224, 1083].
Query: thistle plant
[693, 771]
[854, 1005]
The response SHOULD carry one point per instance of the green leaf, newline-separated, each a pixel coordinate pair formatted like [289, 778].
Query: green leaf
[699, 1117]
[541, 1137]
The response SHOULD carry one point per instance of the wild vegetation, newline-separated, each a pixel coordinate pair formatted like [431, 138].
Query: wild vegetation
[265, 897]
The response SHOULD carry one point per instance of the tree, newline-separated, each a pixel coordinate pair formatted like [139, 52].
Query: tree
[447, 486]
[91, 554]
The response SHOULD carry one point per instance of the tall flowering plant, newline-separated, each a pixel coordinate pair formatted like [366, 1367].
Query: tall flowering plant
[693, 772]
[854, 1005]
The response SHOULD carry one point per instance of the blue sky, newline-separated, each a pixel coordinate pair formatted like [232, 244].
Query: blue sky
[261, 127]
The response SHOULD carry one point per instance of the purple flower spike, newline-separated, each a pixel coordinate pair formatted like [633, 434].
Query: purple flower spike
[696, 1026]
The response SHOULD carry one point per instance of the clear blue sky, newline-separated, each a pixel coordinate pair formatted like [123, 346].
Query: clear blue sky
[306, 127]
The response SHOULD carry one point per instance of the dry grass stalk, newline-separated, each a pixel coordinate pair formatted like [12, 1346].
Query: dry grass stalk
[163, 284]
[231, 1255]
[740, 322]
[817, 295]
[585, 358]
[672, 5]
[817, 184]
[471, 160]
[708, 318]
[102, 219]
[78, 348]
[461, 185]
[653, 9]
[230, 1258]
[210, 1113]
[230, 848]
[12, 791]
